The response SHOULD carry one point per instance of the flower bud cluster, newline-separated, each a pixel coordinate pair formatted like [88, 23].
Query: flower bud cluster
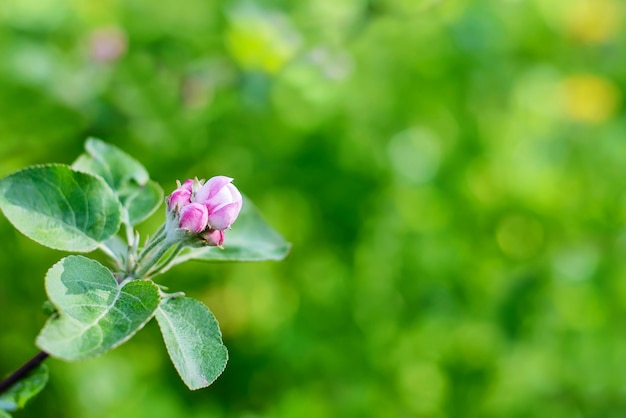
[205, 209]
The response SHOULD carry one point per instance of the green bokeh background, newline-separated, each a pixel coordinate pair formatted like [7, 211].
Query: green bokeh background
[451, 175]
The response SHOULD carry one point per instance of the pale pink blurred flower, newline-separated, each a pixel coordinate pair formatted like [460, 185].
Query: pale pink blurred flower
[107, 44]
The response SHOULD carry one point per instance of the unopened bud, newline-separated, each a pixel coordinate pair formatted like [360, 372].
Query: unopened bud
[187, 185]
[204, 209]
[223, 201]
[213, 237]
[193, 218]
[179, 198]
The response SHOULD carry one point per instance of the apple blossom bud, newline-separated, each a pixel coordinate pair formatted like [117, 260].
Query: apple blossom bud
[224, 217]
[193, 218]
[187, 185]
[179, 197]
[211, 188]
[213, 237]
[223, 201]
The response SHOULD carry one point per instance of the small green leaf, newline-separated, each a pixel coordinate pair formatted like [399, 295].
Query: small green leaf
[4, 414]
[118, 247]
[251, 239]
[127, 177]
[20, 393]
[142, 201]
[48, 308]
[59, 207]
[114, 165]
[193, 340]
[95, 313]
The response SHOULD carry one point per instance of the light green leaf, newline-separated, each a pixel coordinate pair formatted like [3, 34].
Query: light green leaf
[193, 340]
[95, 313]
[127, 177]
[113, 164]
[4, 414]
[59, 207]
[251, 239]
[118, 247]
[142, 201]
[20, 393]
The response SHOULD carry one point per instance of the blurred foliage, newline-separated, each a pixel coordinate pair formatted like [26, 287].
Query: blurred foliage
[449, 173]
[17, 395]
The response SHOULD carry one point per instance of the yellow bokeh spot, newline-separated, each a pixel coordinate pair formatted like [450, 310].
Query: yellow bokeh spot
[262, 42]
[228, 303]
[251, 306]
[97, 12]
[594, 21]
[589, 98]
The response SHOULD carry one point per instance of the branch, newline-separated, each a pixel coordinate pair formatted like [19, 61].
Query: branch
[23, 371]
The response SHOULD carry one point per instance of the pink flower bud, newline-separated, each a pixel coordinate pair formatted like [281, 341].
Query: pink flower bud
[213, 237]
[187, 185]
[224, 217]
[212, 187]
[223, 201]
[179, 197]
[194, 218]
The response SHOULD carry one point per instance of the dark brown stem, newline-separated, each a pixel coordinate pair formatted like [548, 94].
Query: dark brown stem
[23, 371]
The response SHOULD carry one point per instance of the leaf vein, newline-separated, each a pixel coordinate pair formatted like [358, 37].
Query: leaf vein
[64, 198]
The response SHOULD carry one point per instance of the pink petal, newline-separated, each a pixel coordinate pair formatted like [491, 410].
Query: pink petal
[224, 217]
[194, 218]
[179, 197]
[188, 185]
[211, 188]
[213, 237]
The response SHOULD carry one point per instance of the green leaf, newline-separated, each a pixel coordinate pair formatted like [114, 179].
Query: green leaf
[193, 340]
[48, 308]
[142, 201]
[59, 207]
[20, 393]
[95, 313]
[118, 247]
[127, 177]
[114, 165]
[251, 239]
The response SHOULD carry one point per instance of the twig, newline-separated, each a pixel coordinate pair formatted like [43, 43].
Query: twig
[23, 371]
